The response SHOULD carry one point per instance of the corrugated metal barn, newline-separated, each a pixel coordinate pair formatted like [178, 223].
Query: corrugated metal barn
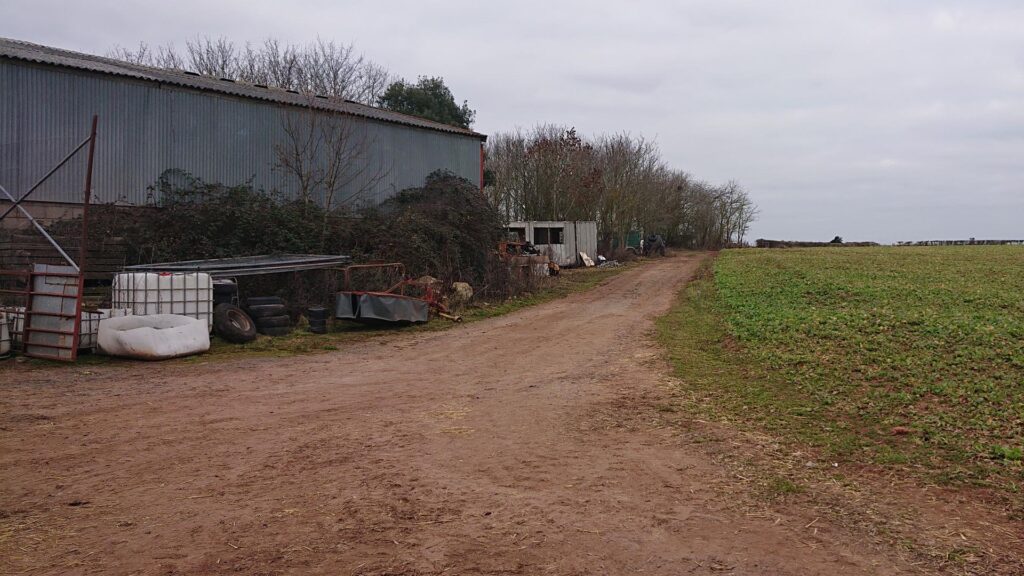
[152, 121]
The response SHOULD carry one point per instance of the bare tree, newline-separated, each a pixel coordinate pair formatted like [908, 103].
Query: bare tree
[213, 57]
[328, 157]
[140, 55]
[621, 181]
[373, 82]
[161, 57]
[630, 167]
[551, 174]
[319, 68]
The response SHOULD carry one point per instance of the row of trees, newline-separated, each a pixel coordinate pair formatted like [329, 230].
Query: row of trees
[621, 181]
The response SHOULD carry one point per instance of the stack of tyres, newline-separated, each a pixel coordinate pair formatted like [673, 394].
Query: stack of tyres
[317, 320]
[225, 292]
[270, 315]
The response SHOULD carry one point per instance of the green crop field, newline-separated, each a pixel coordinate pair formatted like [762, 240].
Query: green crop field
[894, 357]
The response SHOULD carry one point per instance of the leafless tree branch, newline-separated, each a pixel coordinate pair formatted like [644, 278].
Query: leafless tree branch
[321, 67]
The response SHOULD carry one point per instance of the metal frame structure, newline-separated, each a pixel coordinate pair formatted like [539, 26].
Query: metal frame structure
[430, 296]
[40, 275]
[52, 326]
[172, 292]
[146, 293]
[248, 265]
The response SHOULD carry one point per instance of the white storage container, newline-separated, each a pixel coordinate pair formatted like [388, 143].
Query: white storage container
[15, 324]
[91, 324]
[148, 293]
[15, 318]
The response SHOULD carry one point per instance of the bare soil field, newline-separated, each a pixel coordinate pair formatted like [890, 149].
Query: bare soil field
[530, 443]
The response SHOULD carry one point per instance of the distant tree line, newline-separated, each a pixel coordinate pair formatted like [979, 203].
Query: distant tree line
[835, 242]
[620, 181]
[969, 242]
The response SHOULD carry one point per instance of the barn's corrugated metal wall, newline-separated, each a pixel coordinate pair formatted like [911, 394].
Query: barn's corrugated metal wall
[147, 128]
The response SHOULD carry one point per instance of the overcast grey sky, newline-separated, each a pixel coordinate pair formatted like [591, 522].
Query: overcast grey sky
[872, 119]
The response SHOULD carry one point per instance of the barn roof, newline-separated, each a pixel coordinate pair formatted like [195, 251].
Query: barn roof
[26, 51]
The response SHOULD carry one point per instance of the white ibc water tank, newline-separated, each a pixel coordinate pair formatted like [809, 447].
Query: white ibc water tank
[148, 293]
[91, 323]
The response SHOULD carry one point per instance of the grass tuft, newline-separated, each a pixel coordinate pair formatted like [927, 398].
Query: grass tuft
[779, 487]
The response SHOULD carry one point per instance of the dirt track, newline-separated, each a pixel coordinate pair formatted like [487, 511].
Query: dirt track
[527, 444]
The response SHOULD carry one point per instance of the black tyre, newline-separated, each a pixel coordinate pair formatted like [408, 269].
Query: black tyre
[273, 322]
[317, 314]
[225, 293]
[318, 326]
[263, 300]
[265, 310]
[279, 331]
[232, 324]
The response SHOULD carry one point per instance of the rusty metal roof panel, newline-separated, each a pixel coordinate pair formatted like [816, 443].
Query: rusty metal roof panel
[20, 50]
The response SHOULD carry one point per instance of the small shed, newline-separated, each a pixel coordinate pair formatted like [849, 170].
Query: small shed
[560, 241]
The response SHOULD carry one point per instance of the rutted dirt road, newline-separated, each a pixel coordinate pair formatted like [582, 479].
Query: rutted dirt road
[526, 444]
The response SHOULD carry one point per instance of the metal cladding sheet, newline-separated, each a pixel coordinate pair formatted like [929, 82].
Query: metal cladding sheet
[385, 308]
[345, 306]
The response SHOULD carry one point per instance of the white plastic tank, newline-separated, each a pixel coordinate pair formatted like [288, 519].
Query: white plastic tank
[15, 318]
[91, 323]
[148, 293]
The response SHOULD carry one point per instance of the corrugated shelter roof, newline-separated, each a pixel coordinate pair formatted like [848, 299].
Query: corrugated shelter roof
[20, 50]
[248, 265]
